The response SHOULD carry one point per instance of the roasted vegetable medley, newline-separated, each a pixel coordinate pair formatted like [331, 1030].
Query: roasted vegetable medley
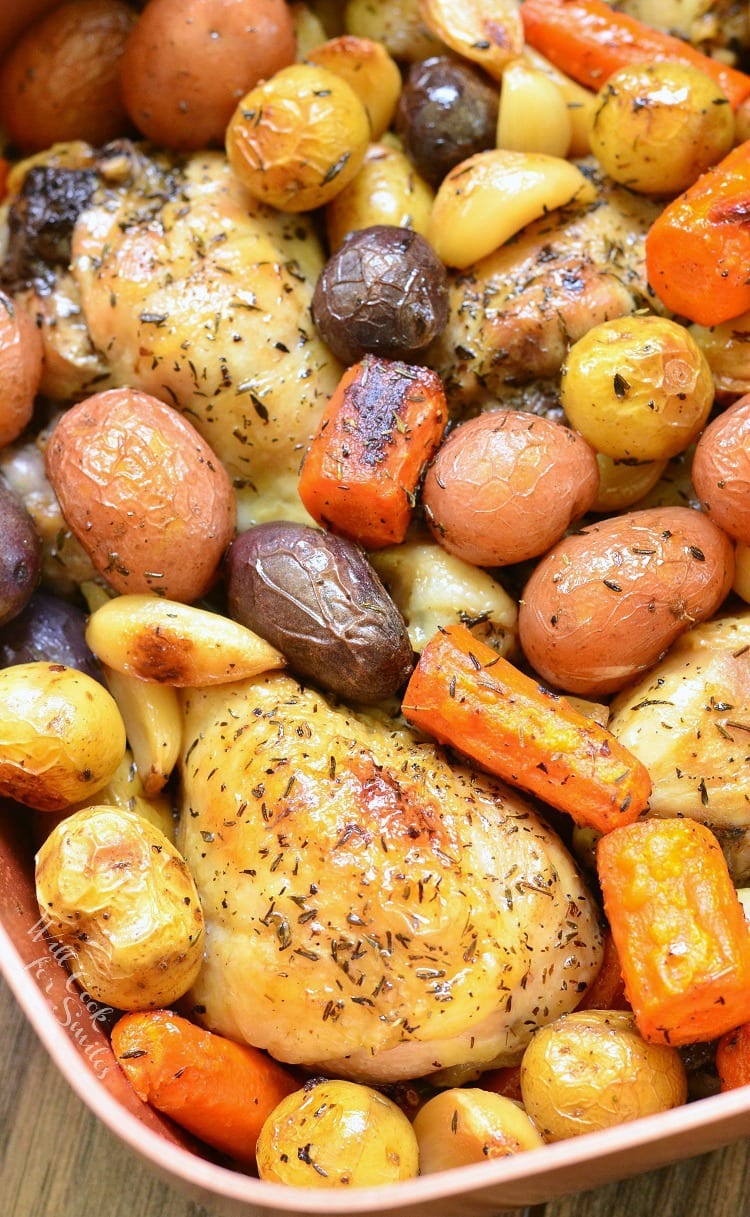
[375, 559]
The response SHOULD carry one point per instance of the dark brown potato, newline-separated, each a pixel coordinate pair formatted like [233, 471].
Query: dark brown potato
[505, 486]
[52, 630]
[19, 555]
[446, 113]
[606, 603]
[317, 598]
[721, 470]
[384, 291]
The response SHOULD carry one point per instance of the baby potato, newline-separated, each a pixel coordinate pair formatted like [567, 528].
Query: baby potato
[623, 483]
[20, 368]
[296, 140]
[638, 388]
[144, 494]
[188, 62]
[337, 1134]
[605, 603]
[505, 486]
[721, 470]
[371, 72]
[118, 895]
[461, 1126]
[659, 126]
[61, 735]
[387, 190]
[591, 1070]
[61, 81]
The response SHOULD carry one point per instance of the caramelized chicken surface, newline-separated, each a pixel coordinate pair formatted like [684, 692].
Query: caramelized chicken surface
[188, 289]
[514, 314]
[371, 911]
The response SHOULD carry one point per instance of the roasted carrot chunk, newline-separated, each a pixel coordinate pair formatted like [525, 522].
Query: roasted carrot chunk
[607, 990]
[698, 249]
[733, 1058]
[505, 1081]
[466, 695]
[220, 1091]
[382, 425]
[679, 929]
[589, 41]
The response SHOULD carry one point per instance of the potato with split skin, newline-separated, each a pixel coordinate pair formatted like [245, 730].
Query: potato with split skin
[188, 62]
[505, 486]
[604, 604]
[61, 735]
[117, 894]
[144, 494]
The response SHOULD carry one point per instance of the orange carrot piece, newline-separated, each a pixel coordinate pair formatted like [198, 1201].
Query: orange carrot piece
[588, 40]
[607, 990]
[220, 1091]
[698, 249]
[679, 929]
[733, 1058]
[467, 696]
[505, 1082]
[382, 425]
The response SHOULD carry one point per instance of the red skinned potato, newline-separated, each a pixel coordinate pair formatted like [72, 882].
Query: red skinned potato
[61, 81]
[506, 485]
[20, 368]
[144, 494]
[188, 62]
[606, 603]
[721, 470]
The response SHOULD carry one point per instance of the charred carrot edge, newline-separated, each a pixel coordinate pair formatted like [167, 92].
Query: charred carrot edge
[382, 425]
[466, 695]
[698, 249]
[505, 1081]
[679, 929]
[220, 1091]
[589, 41]
[733, 1058]
[607, 990]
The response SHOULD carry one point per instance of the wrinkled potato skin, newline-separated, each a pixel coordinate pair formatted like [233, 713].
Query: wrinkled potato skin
[117, 893]
[144, 494]
[61, 81]
[506, 485]
[296, 140]
[603, 605]
[659, 126]
[721, 470]
[352, 1134]
[591, 1070]
[61, 735]
[20, 368]
[188, 62]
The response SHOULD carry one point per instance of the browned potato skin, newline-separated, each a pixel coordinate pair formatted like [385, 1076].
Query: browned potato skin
[606, 603]
[144, 494]
[506, 485]
[20, 368]
[188, 62]
[721, 470]
[61, 81]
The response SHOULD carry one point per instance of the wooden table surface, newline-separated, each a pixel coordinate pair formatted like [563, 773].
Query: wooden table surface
[57, 1160]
